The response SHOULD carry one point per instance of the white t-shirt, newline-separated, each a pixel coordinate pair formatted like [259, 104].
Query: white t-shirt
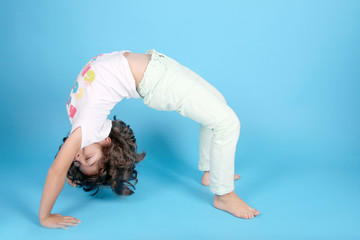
[102, 83]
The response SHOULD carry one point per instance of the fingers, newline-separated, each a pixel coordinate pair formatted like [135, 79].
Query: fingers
[69, 221]
[71, 224]
[65, 224]
[72, 218]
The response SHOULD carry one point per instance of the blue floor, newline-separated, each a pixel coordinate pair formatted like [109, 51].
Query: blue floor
[289, 70]
[298, 196]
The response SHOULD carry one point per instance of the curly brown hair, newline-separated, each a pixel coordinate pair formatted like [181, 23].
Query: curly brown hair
[117, 167]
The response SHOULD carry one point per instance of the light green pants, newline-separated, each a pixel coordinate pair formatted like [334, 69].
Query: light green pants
[169, 86]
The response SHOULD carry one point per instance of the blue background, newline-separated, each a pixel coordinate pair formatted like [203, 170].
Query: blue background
[289, 69]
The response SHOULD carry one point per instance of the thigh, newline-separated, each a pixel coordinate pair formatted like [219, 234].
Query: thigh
[207, 85]
[179, 86]
[202, 106]
[173, 86]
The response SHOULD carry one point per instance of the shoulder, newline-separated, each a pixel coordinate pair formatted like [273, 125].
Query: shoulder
[67, 152]
[75, 136]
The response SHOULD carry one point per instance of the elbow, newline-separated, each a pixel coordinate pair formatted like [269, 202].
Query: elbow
[57, 172]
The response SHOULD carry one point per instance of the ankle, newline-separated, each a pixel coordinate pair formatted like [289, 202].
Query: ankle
[226, 196]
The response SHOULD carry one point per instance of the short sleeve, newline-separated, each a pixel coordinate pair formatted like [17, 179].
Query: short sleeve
[93, 132]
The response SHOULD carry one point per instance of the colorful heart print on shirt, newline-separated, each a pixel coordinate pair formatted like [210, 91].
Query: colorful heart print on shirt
[79, 94]
[88, 76]
[72, 111]
[72, 108]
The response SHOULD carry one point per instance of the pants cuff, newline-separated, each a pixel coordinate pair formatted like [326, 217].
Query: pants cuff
[202, 168]
[221, 191]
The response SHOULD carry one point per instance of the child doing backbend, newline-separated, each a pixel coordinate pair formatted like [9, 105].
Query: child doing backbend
[100, 152]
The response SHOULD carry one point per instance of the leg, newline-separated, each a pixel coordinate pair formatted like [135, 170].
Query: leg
[171, 87]
[213, 114]
[219, 129]
[205, 134]
[205, 137]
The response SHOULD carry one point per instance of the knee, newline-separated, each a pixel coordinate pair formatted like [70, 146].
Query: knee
[230, 123]
[220, 97]
[218, 94]
[236, 122]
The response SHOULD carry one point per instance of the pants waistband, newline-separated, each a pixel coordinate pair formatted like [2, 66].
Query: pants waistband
[155, 69]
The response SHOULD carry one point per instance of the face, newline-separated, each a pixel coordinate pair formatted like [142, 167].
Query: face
[87, 158]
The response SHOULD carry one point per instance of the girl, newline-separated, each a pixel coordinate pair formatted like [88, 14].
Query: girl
[100, 152]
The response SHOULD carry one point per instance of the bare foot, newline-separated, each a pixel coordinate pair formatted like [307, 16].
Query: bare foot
[206, 178]
[231, 203]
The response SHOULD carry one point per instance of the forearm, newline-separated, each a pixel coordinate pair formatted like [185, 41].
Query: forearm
[54, 183]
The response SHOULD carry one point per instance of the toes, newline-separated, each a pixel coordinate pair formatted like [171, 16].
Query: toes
[255, 212]
[243, 215]
[246, 215]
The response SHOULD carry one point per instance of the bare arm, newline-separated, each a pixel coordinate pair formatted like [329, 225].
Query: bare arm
[55, 181]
